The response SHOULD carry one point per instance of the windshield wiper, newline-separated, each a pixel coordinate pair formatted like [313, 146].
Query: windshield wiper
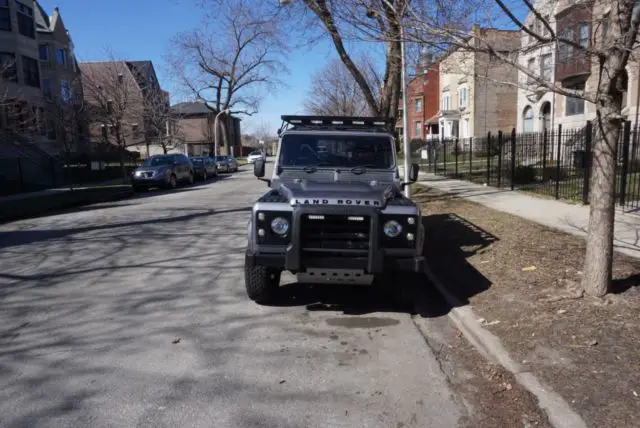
[309, 169]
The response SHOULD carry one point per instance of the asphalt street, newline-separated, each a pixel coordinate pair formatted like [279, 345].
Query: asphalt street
[134, 313]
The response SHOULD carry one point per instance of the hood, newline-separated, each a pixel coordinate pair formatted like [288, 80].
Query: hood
[305, 192]
[153, 168]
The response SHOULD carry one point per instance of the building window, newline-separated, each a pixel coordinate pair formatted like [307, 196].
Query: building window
[31, 72]
[5, 16]
[418, 105]
[462, 97]
[418, 131]
[546, 67]
[44, 52]
[584, 35]
[565, 50]
[574, 106]
[65, 91]
[527, 116]
[46, 88]
[25, 20]
[61, 56]
[531, 65]
[446, 102]
[8, 66]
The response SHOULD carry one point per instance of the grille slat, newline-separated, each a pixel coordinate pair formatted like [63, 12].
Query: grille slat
[335, 232]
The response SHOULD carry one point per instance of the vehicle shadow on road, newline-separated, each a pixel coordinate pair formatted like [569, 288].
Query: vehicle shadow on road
[450, 241]
[417, 296]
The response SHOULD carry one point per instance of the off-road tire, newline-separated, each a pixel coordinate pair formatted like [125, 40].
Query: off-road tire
[191, 178]
[262, 283]
[204, 176]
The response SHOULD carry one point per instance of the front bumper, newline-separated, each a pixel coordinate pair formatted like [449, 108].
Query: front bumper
[149, 182]
[376, 259]
[387, 263]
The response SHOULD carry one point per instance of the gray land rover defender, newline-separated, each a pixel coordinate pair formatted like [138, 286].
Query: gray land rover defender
[335, 211]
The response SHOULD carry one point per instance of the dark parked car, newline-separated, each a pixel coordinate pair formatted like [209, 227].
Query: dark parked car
[163, 171]
[227, 163]
[204, 167]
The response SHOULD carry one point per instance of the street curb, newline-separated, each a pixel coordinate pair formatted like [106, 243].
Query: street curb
[560, 414]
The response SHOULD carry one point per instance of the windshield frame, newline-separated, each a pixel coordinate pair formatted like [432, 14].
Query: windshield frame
[337, 135]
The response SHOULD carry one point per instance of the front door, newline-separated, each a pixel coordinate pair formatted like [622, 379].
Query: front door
[546, 116]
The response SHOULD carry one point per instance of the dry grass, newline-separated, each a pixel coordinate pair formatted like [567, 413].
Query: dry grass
[522, 278]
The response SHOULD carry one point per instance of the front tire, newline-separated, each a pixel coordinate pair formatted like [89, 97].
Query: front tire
[262, 283]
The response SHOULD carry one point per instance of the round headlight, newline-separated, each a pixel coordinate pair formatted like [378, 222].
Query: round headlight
[392, 228]
[411, 220]
[280, 225]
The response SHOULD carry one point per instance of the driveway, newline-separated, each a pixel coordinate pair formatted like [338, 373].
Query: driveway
[134, 314]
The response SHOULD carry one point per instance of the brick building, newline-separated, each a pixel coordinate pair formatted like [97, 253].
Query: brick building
[477, 94]
[423, 101]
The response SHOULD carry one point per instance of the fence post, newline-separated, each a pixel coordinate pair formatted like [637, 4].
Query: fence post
[20, 176]
[499, 159]
[444, 157]
[471, 158]
[488, 153]
[587, 160]
[626, 137]
[513, 157]
[456, 148]
[545, 136]
[557, 192]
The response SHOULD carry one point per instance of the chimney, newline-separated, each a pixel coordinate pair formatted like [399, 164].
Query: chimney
[56, 10]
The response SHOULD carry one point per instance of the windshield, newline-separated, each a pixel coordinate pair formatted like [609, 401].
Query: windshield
[254, 153]
[220, 158]
[370, 151]
[160, 160]
[197, 160]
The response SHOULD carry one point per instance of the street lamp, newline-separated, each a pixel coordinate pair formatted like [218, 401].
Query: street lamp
[372, 14]
[215, 131]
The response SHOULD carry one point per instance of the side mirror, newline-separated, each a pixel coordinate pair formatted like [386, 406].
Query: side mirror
[258, 168]
[414, 170]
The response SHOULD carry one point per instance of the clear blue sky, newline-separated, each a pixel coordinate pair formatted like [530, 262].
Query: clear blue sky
[142, 29]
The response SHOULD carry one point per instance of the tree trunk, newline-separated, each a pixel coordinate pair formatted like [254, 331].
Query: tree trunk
[598, 261]
[225, 137]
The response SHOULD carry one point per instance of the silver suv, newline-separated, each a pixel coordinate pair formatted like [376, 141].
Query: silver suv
[334, 211]
[163, 171]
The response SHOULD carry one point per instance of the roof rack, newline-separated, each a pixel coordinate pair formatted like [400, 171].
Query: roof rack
[340, 123]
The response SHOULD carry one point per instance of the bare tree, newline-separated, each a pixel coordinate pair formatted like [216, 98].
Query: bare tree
[609, 47]
[66, 115]
[114, 104]
[334, 92]
[231, 60]
[161, 124]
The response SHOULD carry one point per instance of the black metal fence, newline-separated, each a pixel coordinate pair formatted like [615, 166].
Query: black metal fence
[554, 163]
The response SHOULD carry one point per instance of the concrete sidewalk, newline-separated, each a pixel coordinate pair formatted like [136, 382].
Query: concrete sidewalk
[573, 219]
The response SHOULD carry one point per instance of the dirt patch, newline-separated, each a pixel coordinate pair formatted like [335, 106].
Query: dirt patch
[522, 279]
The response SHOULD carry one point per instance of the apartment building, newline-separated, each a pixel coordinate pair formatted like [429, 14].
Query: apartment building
[585, 23]
[21, 83]
[478, 94]
[195, 128]
[125, 97]
[423, 101]
[61, 83]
